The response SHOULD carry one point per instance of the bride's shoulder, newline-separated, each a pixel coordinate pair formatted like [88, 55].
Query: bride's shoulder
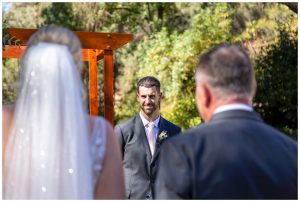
[98, 123]
[8, 110]
[7, 115]
[101, 130]
[98, 141]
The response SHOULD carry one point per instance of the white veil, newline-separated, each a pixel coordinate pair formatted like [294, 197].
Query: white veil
[47, 155]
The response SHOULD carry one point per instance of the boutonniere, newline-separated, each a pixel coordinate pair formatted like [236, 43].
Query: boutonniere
[163, 135]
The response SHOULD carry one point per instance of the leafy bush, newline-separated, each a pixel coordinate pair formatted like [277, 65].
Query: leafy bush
[277, 86]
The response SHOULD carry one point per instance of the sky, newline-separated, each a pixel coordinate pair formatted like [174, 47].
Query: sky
[5, 6]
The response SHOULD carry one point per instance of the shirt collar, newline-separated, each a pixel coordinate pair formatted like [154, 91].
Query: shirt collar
[235, 106]
[145, 121]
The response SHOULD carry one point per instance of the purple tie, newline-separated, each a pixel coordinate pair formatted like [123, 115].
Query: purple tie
[150, 137]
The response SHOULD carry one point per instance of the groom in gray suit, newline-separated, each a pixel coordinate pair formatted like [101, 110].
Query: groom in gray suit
[140, 139]
[234, 154]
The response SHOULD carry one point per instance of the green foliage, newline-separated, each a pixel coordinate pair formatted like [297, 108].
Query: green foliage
[59, 14]
[126, 106]
[276, 70]
[10, 76]
[5, 35]
[90, 16]
[144, 18]
[25, 15]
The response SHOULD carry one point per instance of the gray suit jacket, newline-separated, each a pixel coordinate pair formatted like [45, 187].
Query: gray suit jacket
[233, 156]
[140, 167]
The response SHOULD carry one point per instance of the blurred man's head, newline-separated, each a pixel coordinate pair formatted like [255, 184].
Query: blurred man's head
[224, 75]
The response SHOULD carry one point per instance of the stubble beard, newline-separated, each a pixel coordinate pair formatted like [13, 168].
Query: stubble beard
[150, 112]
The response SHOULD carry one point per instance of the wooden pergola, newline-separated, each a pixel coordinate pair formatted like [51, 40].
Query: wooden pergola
[95, 46]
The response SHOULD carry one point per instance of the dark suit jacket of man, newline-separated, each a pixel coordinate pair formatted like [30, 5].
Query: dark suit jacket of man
[234, 156]
[140, 167]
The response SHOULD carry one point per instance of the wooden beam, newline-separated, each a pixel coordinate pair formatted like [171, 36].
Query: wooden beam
[93, 92]
[89, 40]
[108, 86]
[13, 51]
[17, 52]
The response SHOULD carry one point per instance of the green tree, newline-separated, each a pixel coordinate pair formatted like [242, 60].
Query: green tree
[90, 16]
[59, 14]
[24, 15]
[277, 86]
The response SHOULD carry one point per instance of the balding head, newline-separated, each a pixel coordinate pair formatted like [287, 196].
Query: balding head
[228, 71]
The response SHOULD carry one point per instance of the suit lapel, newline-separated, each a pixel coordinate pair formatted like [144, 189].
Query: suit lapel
[140, 130]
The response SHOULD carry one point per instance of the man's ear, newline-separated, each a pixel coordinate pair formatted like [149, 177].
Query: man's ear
[207, 95]
[137, 96]
[203, 94]
[160, 96]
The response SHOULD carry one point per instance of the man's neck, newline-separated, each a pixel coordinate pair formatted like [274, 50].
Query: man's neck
[219, 103]
[233, 106]
[151, 117]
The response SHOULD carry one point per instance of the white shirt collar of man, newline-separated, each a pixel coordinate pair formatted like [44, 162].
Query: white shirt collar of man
[145, 121]
[238, 106]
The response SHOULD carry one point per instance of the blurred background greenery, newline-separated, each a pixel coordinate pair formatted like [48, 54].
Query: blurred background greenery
[168, 38]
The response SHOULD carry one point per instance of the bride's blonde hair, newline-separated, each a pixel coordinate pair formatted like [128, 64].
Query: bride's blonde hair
[59, 35]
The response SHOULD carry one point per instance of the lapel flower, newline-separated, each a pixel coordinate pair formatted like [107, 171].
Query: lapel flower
[163, 135]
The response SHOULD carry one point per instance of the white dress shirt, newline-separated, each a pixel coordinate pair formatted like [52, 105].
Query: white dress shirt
[145, 123]
[235, 106]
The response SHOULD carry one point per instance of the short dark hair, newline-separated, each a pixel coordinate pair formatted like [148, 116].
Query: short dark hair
[228, 70]
[148, 82]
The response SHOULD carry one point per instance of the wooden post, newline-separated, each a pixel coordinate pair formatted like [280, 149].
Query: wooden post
[108, 86]
[93, 92]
